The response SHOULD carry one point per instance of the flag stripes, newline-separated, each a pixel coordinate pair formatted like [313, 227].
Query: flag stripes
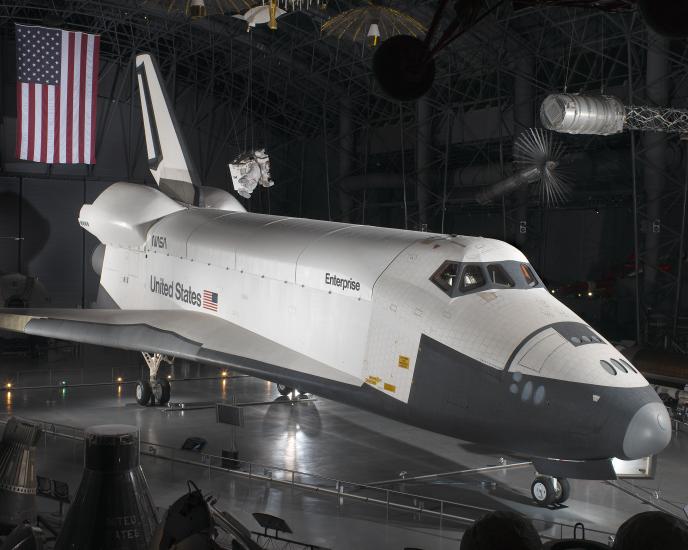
[210, 300]
[57, 90]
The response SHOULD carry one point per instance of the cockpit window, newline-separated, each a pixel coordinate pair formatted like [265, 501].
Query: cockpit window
[606, 366]
[471, 278]
[455, 278]
[528, 275]
[498, 276]
[447, 277]
[628, 365]
[618, 365]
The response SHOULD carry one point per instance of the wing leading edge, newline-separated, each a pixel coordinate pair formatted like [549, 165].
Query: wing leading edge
[185, 334]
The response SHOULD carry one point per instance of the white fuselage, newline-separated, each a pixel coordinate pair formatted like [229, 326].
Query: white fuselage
[357, 302]
[354, 298]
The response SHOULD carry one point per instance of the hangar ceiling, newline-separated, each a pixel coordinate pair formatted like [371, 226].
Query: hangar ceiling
[295, 71]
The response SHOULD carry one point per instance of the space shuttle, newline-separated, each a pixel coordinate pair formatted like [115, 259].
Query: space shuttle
[454, 334]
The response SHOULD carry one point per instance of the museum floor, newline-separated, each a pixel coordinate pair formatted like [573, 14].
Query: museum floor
[322, 438]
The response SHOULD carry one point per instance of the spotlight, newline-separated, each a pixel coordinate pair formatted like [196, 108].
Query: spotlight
[197, 9]
[119, 379]
[169, 377]
[590, 294]
[8, 385]
[224, 373]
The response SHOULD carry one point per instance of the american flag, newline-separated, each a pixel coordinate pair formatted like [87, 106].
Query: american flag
[57, 87]
[210, 300]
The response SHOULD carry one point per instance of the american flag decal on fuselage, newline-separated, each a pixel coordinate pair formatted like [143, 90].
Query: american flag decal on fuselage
[210, 300]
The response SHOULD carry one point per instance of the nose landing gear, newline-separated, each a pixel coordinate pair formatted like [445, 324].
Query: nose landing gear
[284, 390]
[154, 391]
[547, 491]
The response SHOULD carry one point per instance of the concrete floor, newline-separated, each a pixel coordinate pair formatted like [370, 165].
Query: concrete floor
[320, 437]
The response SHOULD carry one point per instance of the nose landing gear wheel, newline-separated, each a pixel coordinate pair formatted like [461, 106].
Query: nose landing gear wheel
[284, 389]
[144, 392]
[543, 491]
[547, 491]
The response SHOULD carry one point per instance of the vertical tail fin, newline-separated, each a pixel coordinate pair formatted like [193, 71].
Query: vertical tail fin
[168, 157]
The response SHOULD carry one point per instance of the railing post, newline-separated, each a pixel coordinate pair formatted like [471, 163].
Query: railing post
[387, 504]
[441, 513]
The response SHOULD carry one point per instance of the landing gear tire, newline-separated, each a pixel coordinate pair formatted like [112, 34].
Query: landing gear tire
[161, 392]
[144, 392]
[563, 490]
[544, 491]
[166, 392]
[154, 391]
[284, 390]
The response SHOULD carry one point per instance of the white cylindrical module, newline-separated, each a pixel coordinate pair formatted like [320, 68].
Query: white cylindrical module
[583, 114]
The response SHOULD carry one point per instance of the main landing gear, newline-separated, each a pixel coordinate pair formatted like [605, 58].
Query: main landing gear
[292, 393]
[548, 491]
[154, 391]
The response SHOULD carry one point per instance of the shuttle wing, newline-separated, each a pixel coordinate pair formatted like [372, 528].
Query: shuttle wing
[185, 334]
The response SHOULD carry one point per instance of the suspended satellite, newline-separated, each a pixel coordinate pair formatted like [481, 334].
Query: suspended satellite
[260, 15]
[404, 65]
[605, 115]
[250, 170]
[537, 160]
[666, 17]
[255, 12]
[372, 24]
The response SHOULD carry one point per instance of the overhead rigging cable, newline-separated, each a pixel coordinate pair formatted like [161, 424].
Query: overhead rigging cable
[403, 163]
[463, 20]
[568, 63]
[249, 95]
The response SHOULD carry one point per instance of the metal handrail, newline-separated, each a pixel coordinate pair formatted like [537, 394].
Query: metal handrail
[253, 468]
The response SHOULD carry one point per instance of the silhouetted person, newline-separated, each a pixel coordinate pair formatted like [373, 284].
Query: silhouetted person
[652, 531]
[501, 531]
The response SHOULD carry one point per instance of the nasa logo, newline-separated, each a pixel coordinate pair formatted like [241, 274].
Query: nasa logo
[158, 242]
